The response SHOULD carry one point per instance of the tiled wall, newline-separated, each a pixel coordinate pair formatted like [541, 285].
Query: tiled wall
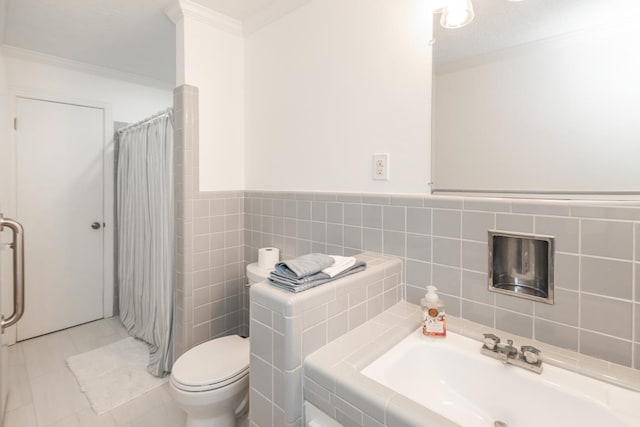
[209, 249]
[443, 241]
[287, 327]
[333, 383]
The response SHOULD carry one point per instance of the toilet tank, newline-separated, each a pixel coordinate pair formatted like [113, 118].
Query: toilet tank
[256, 274]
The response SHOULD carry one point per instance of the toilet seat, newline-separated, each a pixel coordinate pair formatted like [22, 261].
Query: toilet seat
[207, 387]
[212, 365]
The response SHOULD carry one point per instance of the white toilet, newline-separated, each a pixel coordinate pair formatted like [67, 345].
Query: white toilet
[210, 382]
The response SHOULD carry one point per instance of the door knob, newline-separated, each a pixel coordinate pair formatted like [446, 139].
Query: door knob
[95, 225]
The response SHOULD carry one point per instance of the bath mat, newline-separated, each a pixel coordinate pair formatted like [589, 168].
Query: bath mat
[114, 374]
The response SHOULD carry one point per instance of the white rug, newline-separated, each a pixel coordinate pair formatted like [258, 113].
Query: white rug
[114, 374]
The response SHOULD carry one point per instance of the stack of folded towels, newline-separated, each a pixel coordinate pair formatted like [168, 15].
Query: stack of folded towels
[311, 270]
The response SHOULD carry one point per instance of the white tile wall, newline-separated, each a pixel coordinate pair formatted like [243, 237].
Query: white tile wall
[286, 328]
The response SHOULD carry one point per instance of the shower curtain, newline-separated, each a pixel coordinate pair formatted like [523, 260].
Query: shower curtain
[146, 241]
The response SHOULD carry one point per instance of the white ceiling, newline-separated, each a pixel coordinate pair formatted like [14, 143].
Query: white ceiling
[133, 36]
[136, 36]
[238, 9]
[501, 24]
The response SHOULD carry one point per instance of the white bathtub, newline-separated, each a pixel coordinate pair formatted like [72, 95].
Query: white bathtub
[451, 377]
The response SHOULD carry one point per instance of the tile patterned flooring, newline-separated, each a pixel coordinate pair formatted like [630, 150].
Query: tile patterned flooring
[44, 393]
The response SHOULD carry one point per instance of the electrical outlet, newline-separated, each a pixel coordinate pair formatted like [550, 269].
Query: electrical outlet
[381, 167]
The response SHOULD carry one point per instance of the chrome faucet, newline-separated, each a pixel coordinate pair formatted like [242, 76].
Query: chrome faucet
[528, 357]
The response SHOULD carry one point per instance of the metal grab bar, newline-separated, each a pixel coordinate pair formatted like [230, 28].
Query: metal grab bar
[18, 271]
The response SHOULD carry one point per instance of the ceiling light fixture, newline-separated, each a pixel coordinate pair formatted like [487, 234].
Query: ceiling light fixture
[454, 13]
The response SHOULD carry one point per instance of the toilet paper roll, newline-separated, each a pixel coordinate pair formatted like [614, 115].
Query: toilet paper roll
[268, 257]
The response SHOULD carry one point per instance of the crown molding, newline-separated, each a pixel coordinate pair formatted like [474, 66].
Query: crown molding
[272, 13]
[181, 9]
[82, 67]
[174, 12]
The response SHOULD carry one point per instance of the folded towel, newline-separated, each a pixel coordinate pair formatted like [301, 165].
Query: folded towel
[341, 264]
[298, 281]
[303, 266]
[299, 285]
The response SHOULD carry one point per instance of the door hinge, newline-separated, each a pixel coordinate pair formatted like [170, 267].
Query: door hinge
[15, 123]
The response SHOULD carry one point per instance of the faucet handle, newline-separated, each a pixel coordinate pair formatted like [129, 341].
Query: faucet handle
[530, 354]
[509, 350]
[491, 341]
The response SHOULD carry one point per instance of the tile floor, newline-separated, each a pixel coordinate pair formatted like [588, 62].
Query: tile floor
[44, 393]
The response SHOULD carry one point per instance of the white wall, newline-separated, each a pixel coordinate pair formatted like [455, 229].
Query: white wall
[559, 115]
[332, 83]
[212, 59]
[32, 74]
[129, 101]
[126, 101]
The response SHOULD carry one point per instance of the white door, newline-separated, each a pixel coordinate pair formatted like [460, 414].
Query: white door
[59, 197]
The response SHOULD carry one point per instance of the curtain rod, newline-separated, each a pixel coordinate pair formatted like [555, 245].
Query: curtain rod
[168, 111]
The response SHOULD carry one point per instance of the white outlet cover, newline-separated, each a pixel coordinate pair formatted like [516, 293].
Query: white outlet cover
[380, 165]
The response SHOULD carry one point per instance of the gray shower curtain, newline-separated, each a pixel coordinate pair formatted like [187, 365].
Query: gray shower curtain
[146, 241]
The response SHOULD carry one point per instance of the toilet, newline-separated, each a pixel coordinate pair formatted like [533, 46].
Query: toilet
[210, 382]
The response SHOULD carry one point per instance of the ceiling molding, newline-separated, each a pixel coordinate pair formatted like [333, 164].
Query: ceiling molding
[271, 14]
[82, 67]
[174, 12]
[181, 9]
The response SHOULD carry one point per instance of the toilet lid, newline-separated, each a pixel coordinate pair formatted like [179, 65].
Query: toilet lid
[212, 362]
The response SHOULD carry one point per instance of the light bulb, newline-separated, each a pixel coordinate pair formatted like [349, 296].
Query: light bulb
[457, 13]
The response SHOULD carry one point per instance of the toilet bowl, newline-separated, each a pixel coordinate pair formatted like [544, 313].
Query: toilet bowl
[210, 382]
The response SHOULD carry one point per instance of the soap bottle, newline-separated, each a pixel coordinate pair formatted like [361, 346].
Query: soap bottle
[433, 316]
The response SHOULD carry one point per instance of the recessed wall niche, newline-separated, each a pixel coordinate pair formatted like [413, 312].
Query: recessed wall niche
[521, 265]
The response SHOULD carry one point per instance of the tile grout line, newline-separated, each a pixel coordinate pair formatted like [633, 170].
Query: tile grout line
[405, 212]
[634, 307]
[460, 231]
[580, 285]
[535, 317]
[495, 297]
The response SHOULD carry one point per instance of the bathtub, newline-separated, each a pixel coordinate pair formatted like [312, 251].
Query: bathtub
[450, 377]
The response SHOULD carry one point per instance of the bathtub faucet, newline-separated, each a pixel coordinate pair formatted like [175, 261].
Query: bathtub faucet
[528, 357]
